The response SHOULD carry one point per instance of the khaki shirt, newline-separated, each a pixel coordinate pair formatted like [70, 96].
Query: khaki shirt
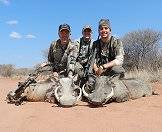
[106, 52]
[84, 51]
[63, 56]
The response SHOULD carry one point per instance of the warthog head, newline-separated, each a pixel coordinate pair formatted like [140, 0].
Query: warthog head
[100, 92]
[67, 93]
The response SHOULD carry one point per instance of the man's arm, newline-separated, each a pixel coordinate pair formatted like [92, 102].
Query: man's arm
[117, 61]
[119, 56]
[73, 54]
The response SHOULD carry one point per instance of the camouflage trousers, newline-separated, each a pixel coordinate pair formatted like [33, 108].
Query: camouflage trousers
[79, 69]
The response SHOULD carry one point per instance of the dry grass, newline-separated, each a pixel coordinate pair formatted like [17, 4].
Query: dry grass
[146, 75]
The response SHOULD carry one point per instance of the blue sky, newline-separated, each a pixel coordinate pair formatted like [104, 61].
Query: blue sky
[27, 27]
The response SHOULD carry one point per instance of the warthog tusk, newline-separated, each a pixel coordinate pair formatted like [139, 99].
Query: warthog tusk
[80, 94]
[109, 96]
[106, 99]
[56, 94]
[84, 92]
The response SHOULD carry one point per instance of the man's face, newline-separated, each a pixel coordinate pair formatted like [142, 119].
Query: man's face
[64, 36]
[87, 34]
[104, 32]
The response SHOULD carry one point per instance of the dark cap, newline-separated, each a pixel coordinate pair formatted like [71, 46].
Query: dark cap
[64, 26]
[104, 22]
[86, 27]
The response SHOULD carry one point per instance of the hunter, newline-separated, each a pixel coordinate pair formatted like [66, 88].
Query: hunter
[63, 53]
[85, 47]
[108, 52]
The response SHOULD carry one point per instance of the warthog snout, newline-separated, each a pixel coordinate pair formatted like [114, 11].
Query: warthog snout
[67, 93]
[101, 92]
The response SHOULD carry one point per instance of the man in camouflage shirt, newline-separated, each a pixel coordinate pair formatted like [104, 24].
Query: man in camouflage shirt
[85, 46]
[108, 52]
[63, 52]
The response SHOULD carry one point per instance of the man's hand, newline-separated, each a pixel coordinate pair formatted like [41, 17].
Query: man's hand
[100, 71]
[96, 71]
[55, 75]
[43, 64]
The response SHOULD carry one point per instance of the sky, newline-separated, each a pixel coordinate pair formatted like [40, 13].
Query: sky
[27, 27]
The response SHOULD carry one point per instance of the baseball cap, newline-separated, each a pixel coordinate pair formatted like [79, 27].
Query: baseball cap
[64, 26]
[86, 27]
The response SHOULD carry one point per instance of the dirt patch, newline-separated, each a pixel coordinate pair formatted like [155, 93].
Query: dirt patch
[141, 115]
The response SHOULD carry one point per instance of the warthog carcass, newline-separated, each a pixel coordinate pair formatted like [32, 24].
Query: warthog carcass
[63, 91]
[107, 89]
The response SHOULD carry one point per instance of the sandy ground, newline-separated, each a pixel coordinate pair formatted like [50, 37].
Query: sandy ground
[141, 115]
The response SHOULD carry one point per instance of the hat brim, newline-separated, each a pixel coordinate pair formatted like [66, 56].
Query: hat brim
[64, 29]
[88, 28]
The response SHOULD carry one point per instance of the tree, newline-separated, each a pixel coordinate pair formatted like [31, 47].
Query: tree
[6, 70]
[45, 54]
[142, 49]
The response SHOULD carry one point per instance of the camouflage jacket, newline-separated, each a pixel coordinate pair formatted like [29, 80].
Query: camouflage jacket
[84, 51]
[104, 53]
[63, 56]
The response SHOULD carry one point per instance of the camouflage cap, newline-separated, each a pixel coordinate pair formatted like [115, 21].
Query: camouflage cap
[104, 22]
[64, 26]
[86, 27]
